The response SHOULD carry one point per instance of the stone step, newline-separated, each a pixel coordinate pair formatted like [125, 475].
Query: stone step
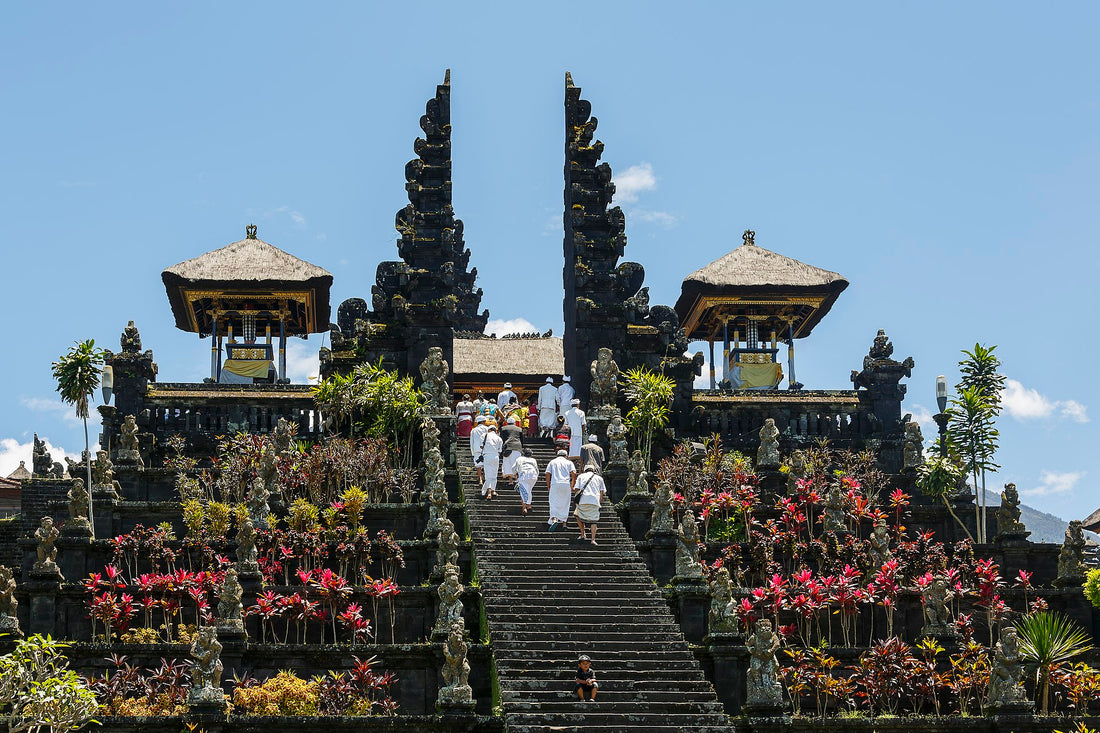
[591, 715]
[615, 728]
[623, 705]
[553, 655]
[595, 635]
[618, 684]
[582, 625]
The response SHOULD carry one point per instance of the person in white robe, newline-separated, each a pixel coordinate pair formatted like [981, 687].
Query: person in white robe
[505, 396]
[575, 419]
[566, 393]
[548, 407]
[527, 469]
[491, 462]
[477, 444]
[590, 490]
[561, 474]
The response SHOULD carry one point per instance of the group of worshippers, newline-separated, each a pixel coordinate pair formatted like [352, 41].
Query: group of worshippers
[496, 429]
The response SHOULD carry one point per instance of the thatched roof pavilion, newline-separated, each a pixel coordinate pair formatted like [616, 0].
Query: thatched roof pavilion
[487, 363]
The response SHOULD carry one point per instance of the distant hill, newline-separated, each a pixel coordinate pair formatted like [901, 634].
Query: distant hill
[1043, 527]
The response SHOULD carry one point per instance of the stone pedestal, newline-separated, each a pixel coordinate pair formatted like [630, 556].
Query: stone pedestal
[42, 590]
[637, 509]
[663, 551]
[72, 551]
[772, 482]
[615, 478]
[692, 600]
[730, 660]
[447, 437]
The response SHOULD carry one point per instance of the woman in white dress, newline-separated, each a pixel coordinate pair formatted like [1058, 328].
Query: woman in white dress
[560, 476]
[527, 470]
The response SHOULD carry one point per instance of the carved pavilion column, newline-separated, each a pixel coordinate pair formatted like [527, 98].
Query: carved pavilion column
[214, 348]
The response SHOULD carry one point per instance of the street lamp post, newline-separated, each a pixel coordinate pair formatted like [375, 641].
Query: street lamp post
[941, 418]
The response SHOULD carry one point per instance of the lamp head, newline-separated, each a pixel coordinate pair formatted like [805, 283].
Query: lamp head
[107, 383]
[941, 392]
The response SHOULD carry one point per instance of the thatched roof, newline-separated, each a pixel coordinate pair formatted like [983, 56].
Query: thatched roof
[1092, 522]
[20, 473]
[250, 266]
[541, 357]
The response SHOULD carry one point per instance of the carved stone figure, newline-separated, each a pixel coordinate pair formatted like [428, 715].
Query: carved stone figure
[256, 502]
[723, 611]
[246, 548]
[9, 605]
[767, 455]
[282, 439]
[835, 516]
[433, 373]
[616, 437]
[637, 479]
[1071, 568]
[605, 380]
[78, 505]
[936, 597]
[797, 473]
[879, 545]
[1006, 678]
[661, 519]
[913, 450]
[430, 430]
[103, 470]
[130, 341]
[881, 348]
[230, 609]
[436, 488]
[46, 534]
[129, 439]
[450, 601]
[687, 548]
[41, 462]
[1008, 513]
[206, 669]
[763, 688]
[58, 471]
[448, 541]
[456, 670]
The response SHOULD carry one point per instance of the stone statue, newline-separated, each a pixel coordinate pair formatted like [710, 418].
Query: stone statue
[448, 541]
[246, 548]
[41, 462]
[256, 502]
[723, 611]
[1071, 568]
[431, 432]
[129, 439]
[797, 472]
[433, 373]
[282, 439]
[1008, 513]
[103, 470]
[881, 348]
[913, 450]
[130, 341]
[206, 669]
[616, 437]
[835, 516]
[456, 670]
[1005, 679]
[661, 519]
[58, 471]
[687, 548]
[605, 380]
[46, 534]
[436, 488]
[78, 505]
[767, 455]
[763, 688]
[637, 479]
[936, 597]
[450, 601]
[230, 609]
[9, 605]
[879, 550]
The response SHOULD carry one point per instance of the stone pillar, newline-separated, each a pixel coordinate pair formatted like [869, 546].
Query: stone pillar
[615, 478]
[42, 590]
[73, 546]
[692, 600]
[636, 511]
[730, 661]
[663, 552]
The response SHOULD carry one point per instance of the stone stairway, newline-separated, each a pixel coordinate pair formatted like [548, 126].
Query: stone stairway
[550, 597]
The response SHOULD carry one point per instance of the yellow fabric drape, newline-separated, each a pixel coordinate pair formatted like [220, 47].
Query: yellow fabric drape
[755, 376]
[248, 367]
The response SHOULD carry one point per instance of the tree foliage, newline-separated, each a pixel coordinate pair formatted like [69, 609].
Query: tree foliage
[649, 395]
[1048, 640]
[38, 690]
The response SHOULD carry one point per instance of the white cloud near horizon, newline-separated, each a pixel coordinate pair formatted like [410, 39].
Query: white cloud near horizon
[630, 184]
[12, 452]
[303, 363]
[54, 406]
[1024, 403]
[505, 326]
[1054, 482]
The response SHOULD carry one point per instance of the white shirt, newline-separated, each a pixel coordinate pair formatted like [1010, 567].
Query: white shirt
[527, 468]
[548, 397]
[565, 395]
[464, 408]
[574, 417]
[505, 397]
[592, 488]
[476, 436]
[560, 470]
[493, 444]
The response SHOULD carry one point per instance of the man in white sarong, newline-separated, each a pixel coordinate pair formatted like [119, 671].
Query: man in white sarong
[575, 419]
[505, 396]
[590, 491]
[561, 474]
[527, 468]
[548, 407]
[566, 393]
[491, 462]
[477, 444]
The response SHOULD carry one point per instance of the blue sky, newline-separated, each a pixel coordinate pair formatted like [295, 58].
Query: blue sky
[942, 157]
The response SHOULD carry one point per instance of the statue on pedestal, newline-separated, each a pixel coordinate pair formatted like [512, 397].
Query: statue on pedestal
[46, 534]
[1071, 559]
[230, 610]
[913, 449]
[637, 479]
[41, 461]
[9, 605]
[616, 437]
[206, 669]
[936, 597]
[447, 552]
[1005, 679]
[661, 519]
[767, 455]
[687, 548]
[605, 381]
[450, 601]
[436, 488]
[797, 472]
[256, 502]
[78, 506]
[103, 472]
[835, 516]
[763, 688]
[878, 543]
[1008, 513]
[723, 611]
[456, 670]
[128, 451]
[246, 548]
[433, 373]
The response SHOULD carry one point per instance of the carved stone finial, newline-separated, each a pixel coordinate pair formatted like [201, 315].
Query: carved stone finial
[41, 461]
[250, 231]
[749, 237]
[130, 340]
[9, 605]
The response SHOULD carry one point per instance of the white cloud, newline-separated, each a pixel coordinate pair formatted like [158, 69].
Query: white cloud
[303, 364]
[296, 217]
[657, 217]
[632, 181]
[12, 452]
[1023, 403]
[52, 405]
[502, 327]
[923, 417]
[1054, 482]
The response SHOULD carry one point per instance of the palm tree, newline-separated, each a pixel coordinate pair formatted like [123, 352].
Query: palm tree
[1047, 640]
[650, 395]
[981, 378]
[77, 374]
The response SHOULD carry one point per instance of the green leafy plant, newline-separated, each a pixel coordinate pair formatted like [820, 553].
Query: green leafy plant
[649, 395]
[1092, 587]
[1049, 640]
[38, 690]
[77, 374]
[937, 478]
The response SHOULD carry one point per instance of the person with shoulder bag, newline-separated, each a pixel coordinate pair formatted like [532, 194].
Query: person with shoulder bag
[589, 490]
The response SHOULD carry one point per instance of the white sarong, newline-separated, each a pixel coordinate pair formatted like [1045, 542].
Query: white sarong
[509, 468]
[575, 446]
[560, 494]
[491, 466]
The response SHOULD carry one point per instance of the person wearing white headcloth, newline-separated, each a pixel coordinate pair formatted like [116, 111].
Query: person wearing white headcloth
[477, 444]
[548, 407]
[527, 469]
[491, 462]
[575, 419]
[505, 396]
[566, 393]
[561, 474]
